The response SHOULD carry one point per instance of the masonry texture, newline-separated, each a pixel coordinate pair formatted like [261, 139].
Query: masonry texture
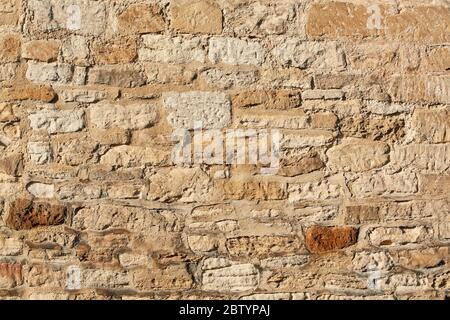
[92, 205]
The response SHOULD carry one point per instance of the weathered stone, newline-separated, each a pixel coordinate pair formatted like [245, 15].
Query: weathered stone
[324, 120]
[431, 126]
[404, 282]
[301, 54]
[295, 261]
[12, 164]
[57, 121]
[9, 12]
[179, 184]
[383, 184]
[170, 278]
[232, 278]
[235, 51]
[438, 59]
[314, 190]
[356, 214]
[10, 275]
[98, 278]
[83, 95]
[173, 74]
[333, 81]
[119, 76]
[49, 72]
[41, 190]
[75, 50]
[8, 71]
[165, 49]
[41, 50]
[184, 109]
[25, 214]
[434, 184]
[429, 24]
[372, 261]
[307, 212]
[375, 128]
[424, 259]
[397, 236]
[267, 296]
[297, 119]
[52, 15]
[385, 108]
[305, 138]
[338, 19]
[411, 210]
[131, 260]
[279, 100]
[419, 88]
[200, 16]
[294, 164]
[261, 18]
[318, 94]
[133, 156]
[134, 116]
[10, 246]
[254, 190]
[109, 189]
[7, 113]
[75, 150]
[39, 152]
[322, 239]
[227, 79]
[422, 156]
[262, 246]
[141, 18]
[358, 155]
[9, 48]
[122, 50]
[202, 244]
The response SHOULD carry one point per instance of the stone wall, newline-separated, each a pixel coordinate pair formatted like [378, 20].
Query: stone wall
[94, 206]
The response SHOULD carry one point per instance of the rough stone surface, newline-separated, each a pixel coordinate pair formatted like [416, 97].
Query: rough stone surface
[391, 236]
[232, 278]
[57, 121]
[135, 116]
[184, 109]
[235, 51]
[141, 18]
[217, 149]
[202, 16]
[25, 214]
[164, 49]
[117, 76]
[358, 156]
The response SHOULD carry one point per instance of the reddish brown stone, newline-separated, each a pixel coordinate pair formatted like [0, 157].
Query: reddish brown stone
[141, 18]
[25, 214]
[323, 239]
[20, 93]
